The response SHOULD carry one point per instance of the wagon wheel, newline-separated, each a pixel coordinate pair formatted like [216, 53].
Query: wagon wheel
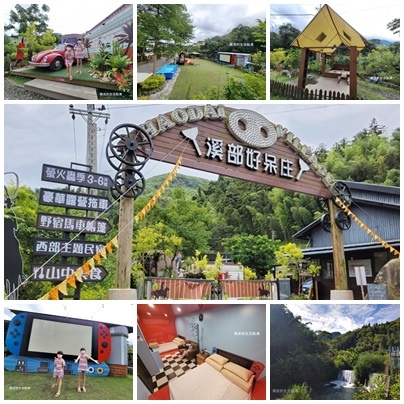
[322, 204]
[326, 223]
[342, 220]
[130, 144]
[129, 183]
[341, 190]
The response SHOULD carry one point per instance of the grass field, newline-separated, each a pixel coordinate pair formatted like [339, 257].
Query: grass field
[198, 78]
[34, 386]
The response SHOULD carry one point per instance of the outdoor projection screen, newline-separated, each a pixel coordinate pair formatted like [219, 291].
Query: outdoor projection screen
[52, 336]
[224, 58]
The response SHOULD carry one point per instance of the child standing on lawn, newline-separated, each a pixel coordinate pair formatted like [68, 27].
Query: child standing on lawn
[58, 371]
[79, 54]
[69, 58]
[83, 368]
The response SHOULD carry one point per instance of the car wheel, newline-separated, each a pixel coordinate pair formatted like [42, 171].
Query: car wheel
[57, 64]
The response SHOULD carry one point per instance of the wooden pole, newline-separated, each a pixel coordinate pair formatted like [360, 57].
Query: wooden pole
[124, 252]
[353, 70]
[304, 62]
[340, 273]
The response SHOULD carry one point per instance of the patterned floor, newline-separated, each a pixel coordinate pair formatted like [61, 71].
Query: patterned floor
[173, 367]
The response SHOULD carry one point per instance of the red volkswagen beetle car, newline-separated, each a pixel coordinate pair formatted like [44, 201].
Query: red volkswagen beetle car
[52, 58]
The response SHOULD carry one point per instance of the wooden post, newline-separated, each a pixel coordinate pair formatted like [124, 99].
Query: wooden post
[353, 70]
[323, 63]
[340, 273]
[304, 62]
[124, 252]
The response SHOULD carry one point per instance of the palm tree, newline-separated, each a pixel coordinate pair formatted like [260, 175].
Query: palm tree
[87, 45]
[126, 36]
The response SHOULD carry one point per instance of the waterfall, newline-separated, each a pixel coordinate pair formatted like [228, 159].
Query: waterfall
[347, 376]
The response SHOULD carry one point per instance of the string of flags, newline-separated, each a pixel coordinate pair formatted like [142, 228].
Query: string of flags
[107, 249]
[366, 228]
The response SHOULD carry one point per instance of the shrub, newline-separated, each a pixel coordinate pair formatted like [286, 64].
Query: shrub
[298, 392]
[153, 82]
[119, 63]
[366, 364]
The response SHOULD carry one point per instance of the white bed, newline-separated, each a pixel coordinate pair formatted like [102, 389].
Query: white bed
[167, 346]
[205, 383]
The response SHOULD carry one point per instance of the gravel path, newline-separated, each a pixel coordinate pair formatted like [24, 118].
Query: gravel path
[14, 91]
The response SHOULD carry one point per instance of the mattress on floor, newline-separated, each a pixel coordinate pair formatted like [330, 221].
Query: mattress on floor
[167, 346]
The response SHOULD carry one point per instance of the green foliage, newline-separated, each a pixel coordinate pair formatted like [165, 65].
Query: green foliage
[118, 63]
[24, 16]
[289, 256]
[153, 82]
[99, 61]
[380, 389]
[252, 88]
[315, 67]
[249, 274]
[298, 392]
[368, 363]
[257, 252]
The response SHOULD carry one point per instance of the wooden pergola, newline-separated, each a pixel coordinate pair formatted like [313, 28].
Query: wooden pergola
[324, 34]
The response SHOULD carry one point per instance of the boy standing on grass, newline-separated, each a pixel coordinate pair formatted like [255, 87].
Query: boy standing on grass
[58, 371]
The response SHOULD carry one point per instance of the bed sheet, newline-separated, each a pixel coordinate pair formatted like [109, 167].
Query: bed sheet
[205, 383]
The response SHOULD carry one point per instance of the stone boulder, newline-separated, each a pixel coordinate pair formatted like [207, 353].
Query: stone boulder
[390, 275]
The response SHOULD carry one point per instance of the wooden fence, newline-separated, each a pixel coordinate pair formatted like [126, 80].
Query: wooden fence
[292, 92]
[184, 288]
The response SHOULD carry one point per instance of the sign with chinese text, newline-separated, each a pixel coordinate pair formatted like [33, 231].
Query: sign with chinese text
[237, 143]
[377, 291]
[48, 221]
[66, 248]
[58, 273]
[53, 197]
[69, 176]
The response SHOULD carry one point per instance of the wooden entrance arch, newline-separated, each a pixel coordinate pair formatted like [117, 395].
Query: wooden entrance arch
[325, 33]
[243, 144]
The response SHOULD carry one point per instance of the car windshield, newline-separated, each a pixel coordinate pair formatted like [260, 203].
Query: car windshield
[60, 46]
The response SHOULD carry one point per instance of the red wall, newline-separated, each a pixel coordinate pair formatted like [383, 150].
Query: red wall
[157, 323]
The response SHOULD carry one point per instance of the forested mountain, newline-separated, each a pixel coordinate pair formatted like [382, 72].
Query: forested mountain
[300, 355]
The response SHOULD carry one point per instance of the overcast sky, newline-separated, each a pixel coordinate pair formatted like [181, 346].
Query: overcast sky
[73, 17]
[219, 19]
[368, 17]
[343, 317]
[45, 133]
[115, 312]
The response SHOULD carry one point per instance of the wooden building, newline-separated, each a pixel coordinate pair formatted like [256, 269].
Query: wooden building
[377, 207]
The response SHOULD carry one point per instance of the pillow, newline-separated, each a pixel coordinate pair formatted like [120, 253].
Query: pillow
[238, 381]
[221, 360]
[214, 364]
[238, 370]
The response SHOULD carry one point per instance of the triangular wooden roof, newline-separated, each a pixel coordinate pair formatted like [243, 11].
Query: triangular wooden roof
[326, 31]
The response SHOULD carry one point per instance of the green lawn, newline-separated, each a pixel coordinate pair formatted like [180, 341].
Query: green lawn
[34, 386]
[63, 72]
[198, 78]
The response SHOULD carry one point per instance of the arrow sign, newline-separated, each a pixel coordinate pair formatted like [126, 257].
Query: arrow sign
[75, 224]
[53, 197]
[63, 175]
[191, 134]
[66, 248]
[58, 273]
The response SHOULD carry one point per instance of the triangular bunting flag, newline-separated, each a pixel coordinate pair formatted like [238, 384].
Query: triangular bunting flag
[114, 241]
[63, 287]
[78, 274]
[54, 294]
[109, 247]
[97, 258]
[71, 280]
[103, 252]
[44, 297]
[86, 267]
[91, 262]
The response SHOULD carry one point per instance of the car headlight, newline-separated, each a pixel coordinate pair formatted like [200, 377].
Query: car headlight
[45, 59]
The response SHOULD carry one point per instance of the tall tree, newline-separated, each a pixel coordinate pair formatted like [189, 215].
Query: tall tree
[394, 26]
[163, 27]
[22, 17]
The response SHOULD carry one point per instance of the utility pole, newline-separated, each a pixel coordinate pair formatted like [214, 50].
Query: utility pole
[90, 116]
